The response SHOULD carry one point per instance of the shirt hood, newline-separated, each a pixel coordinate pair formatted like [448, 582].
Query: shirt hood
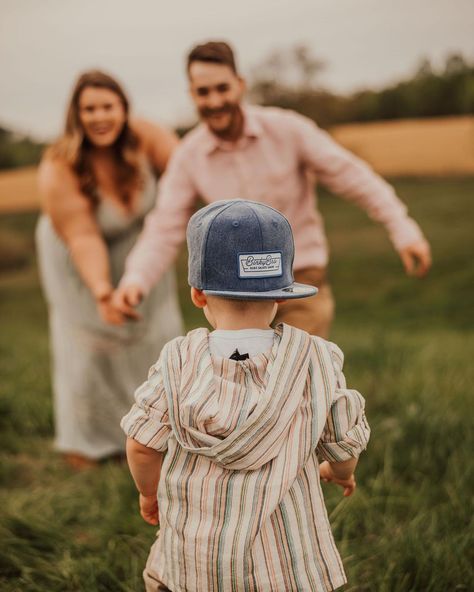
[237, 413]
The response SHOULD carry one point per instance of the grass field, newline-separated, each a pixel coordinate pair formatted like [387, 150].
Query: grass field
[409, 347]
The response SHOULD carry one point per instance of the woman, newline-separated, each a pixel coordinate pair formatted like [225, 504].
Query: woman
[97, 184]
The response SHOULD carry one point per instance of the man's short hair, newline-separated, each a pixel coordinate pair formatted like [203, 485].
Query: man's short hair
[214, 52]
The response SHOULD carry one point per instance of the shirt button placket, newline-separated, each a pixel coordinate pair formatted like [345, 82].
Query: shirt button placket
[240, 169]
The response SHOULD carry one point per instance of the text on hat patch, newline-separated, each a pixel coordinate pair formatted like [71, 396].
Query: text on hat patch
[257, 265]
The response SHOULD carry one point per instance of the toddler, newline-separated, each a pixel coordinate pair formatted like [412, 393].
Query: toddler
[230, 434]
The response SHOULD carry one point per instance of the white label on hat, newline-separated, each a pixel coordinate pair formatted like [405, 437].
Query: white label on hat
[260, 265]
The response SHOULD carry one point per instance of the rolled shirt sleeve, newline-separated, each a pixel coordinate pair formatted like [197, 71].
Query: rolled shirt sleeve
[147, 422]
[346, 432]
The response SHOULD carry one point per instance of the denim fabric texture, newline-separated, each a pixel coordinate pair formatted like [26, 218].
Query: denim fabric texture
[244, 250]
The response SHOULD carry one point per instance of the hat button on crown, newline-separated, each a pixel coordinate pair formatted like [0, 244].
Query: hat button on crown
[235, 223]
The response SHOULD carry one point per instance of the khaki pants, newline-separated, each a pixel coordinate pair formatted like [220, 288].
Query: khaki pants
[314, 314]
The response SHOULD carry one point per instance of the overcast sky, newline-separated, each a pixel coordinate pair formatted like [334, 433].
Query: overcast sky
[44, 44]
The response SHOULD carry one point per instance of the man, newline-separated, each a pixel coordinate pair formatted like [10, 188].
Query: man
[269, 155]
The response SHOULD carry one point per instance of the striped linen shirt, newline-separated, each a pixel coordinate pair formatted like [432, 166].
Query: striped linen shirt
[240, 501]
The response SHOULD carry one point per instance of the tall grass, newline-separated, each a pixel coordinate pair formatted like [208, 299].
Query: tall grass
[409, 346]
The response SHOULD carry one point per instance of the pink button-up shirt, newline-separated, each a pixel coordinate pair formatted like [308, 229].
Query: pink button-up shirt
[276, 161]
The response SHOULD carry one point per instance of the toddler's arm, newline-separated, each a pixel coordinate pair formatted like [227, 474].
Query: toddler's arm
[145, 467]
[341, 473]
[346, 432]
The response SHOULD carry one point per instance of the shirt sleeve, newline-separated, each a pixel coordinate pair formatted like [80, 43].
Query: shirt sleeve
[147, 422]
[165, 226]
[346, 432]
[348, 176]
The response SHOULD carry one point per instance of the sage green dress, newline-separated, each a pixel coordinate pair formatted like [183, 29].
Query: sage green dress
[97, 367]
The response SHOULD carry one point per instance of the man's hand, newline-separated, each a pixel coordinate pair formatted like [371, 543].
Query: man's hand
[327, 475]
[149, 509]
[103, 300]
[126, 299]
[416, 258]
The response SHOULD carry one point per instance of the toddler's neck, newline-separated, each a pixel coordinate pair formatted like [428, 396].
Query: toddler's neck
[235, 315]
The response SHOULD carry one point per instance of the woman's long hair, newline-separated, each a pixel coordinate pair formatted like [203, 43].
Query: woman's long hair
[73, 146]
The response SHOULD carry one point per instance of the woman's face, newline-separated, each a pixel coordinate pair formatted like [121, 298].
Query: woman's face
[102, 115]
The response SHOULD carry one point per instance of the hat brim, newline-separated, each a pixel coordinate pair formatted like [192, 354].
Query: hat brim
[295, 290]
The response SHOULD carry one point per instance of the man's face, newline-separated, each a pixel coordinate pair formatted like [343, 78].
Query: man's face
[217, 91]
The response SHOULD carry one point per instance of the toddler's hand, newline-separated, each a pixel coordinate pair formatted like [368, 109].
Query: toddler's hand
[149, 509]
[327, 475]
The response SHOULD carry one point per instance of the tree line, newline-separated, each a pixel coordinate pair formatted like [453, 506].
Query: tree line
[291, 80]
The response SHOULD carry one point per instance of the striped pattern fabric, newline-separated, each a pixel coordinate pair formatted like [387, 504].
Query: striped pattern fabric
[241, 507]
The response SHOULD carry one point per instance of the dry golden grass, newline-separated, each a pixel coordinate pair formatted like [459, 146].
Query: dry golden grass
[421, 147]
[18, 191]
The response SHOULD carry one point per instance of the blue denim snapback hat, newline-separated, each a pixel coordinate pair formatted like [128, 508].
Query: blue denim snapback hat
[243, 250]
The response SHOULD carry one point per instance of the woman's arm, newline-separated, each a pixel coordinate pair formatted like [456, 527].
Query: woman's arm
[73, 219]
[158, 142]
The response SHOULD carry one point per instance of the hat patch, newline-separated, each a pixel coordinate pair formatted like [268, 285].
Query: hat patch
[260, 265]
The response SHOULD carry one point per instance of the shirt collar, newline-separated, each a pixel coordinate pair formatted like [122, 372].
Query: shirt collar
[252, 129]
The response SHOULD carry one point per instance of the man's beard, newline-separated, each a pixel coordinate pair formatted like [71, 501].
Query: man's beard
[233, 109]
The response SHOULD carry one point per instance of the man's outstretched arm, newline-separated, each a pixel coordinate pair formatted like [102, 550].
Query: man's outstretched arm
[348, 176]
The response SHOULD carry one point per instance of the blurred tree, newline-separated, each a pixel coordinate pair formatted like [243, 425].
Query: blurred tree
[17, 150]
[289, 79]
[455, 64]
[307, 65]
[424, 70]
[287, 70]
